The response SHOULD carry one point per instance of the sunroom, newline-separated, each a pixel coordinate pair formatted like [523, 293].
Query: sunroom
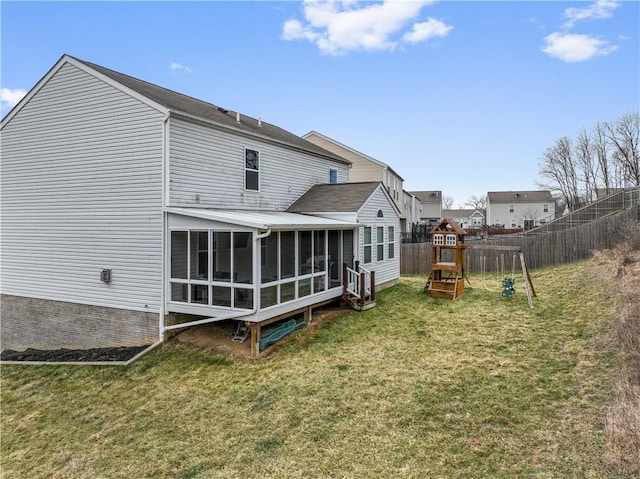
[253, 265]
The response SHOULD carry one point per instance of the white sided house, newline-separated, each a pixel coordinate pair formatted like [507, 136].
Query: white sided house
[520, 209]
[128, 208]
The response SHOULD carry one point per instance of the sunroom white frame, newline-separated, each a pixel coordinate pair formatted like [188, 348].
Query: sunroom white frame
[261, 225]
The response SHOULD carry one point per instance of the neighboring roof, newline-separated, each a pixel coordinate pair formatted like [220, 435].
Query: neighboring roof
[187, 105]
[460, 213]
[354, 151]
[519, 196]
[447, 224]
[428, 196]
[336, 197]
[262, 219]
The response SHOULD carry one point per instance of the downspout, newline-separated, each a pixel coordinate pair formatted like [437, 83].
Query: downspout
[165, 184]
[220, 318]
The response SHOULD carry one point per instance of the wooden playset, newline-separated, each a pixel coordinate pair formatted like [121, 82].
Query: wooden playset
[447, 260]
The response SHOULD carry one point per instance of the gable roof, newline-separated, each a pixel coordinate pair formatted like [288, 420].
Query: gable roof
[353, 150]
[182, 104]
[336, 198]
[448, 225]
[428, 196]
[519, 196]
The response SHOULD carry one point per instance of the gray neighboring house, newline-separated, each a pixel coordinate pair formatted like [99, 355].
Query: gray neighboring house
[127, 207]
[430, 204]
[520, 209]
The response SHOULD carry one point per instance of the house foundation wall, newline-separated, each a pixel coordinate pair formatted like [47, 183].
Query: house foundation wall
[45, 324]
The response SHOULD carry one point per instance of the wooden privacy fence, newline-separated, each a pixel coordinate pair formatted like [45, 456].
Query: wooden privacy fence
[540, 250]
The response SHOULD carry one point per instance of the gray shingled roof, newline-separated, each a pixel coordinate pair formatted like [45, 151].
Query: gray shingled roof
[519, 196]
[192, 106]
[334, 198]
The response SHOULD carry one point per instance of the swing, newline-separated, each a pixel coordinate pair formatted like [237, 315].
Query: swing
[508, 283]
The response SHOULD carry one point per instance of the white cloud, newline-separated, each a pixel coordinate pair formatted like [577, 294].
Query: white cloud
[597, 10]
[179, 67]
[337, 27]
[10, 98]
[427, 30]
[574, 48]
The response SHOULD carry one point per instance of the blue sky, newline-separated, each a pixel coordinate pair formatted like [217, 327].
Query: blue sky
[462, 97]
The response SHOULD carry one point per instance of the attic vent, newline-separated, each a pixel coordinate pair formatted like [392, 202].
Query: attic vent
[380, 214]
[222, 110]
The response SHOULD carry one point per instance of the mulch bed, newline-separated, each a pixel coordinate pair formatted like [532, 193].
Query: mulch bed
[70, 355]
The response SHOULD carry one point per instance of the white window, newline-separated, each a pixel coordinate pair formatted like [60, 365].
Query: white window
[545, 208]
[438, 240]
[451, 240]
[380, 243]
[367, 244]
[514, 223]
[251, 170]
[392, 243]
[512, 208]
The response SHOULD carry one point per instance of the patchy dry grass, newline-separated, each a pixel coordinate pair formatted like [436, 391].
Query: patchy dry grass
[622, 426]
[417, 387]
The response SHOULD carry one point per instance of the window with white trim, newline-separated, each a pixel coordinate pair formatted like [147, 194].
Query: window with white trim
[380, 243]
[333, 175]
[367, 244]
[392, 243]
[438, 239]
[451, 240]
[545, 208]
[251, 170]
[512, 208]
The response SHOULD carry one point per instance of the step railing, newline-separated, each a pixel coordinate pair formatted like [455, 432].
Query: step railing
[359, 283]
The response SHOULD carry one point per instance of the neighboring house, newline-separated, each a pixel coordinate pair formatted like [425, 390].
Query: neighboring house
[467, 219]
[366, 168]
[127, 207]
[520, 209]
[411, 209]
[431, 205]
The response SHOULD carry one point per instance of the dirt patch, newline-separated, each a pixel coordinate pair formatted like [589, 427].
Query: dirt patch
[219, 336]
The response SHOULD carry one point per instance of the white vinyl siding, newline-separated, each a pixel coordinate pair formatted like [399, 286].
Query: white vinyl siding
[207, 170]
[389, 268]
[82, 192]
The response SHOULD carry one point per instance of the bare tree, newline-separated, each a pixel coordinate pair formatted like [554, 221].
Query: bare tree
[558, 168]
[624, 136]
[477, 202]
[447, 202]
[529, 217]
[600, 144]
[584, 160]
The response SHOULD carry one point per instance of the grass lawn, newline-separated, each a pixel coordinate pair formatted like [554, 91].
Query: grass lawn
[418, 387]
